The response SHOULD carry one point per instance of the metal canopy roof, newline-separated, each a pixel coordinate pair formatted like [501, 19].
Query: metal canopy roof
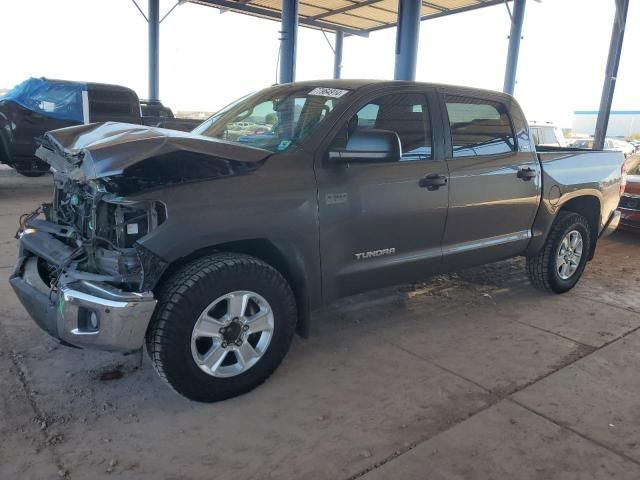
[356, 17]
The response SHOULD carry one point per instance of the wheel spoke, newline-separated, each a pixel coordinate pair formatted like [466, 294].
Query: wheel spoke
[237, 304]
[246, 354]
[578, 247]
[260, 321]
[240, 321]
[563, 270]
[214, 358]
[207, 326]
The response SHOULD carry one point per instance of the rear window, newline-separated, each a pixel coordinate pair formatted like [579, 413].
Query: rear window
[479, 127]
[112, 104]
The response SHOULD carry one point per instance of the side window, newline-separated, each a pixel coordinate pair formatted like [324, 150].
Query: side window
[479, 127]
[404, 113]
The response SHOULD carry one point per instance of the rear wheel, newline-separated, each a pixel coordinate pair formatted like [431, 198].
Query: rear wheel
[223, 324]
[561, 262]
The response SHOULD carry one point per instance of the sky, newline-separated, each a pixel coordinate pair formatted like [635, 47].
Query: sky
[208, 58]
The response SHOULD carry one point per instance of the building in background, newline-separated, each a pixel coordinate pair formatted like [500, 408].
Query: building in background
[622, 123]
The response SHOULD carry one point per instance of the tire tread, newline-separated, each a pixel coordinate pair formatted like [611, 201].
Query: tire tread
[539, 266]
[165, 325]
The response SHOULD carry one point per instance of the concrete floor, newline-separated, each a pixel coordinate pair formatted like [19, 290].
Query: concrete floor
[469, 376]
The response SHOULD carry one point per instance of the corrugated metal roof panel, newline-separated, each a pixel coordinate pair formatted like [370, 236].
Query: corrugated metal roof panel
[350, 15]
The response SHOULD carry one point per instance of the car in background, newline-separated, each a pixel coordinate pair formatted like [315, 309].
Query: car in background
[38, 105]
[609, 144]
[547, 135]
[625, 147]
[155, 114]
[629, 205]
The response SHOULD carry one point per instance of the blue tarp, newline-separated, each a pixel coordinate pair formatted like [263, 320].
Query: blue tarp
[53, 98]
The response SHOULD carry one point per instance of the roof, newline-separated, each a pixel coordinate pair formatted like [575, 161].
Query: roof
[368, 84]
[357, 17]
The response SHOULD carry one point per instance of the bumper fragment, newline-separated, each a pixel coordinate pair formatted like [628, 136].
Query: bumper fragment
[611, 225]
[85, 314]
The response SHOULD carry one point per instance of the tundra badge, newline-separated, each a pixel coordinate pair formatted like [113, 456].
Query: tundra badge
[375, 253]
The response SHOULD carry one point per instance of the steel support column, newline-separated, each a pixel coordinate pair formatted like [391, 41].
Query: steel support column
[407, 34]
[517, 18]
[154, 51]
[337, 54]
[288, 41]
[615, 48]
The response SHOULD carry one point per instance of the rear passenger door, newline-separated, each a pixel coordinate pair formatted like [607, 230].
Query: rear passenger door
[494, 181]
[381, 223]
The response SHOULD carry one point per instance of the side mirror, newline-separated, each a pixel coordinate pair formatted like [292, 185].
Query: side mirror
[369, 146]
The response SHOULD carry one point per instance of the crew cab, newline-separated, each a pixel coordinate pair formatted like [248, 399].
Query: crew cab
[39, 104]
[213, 247]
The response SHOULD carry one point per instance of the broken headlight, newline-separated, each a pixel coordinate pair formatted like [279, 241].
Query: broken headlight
[122, 222]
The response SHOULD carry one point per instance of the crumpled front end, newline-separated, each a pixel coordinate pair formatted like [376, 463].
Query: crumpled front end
[84, 273]
[81, 273]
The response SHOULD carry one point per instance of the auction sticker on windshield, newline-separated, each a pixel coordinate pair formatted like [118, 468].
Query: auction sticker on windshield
[328, 92]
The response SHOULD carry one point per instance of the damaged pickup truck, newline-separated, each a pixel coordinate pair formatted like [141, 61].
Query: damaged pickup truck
[213, 247]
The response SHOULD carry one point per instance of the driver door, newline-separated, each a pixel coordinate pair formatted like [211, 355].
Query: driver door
[380, 223]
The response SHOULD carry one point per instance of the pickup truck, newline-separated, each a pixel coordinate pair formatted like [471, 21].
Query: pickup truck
[39, 104]
[214, 252]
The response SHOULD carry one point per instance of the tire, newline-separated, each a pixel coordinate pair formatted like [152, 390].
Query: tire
[543, 270]
[32, 168]
[189, 294]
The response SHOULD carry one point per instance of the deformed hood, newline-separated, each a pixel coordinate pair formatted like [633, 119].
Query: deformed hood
[99, 150]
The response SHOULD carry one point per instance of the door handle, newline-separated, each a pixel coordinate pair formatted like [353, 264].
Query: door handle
[526, 174]
[433, 181]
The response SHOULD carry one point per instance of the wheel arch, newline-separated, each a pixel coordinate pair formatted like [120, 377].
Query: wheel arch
[290, 265]
[589, 207]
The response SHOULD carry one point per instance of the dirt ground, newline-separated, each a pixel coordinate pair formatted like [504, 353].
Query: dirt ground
[469, 376]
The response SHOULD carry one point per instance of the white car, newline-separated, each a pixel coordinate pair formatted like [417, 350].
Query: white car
[547, 135]
[627, 148]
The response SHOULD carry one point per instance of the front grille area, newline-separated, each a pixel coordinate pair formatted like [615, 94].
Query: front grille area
[631, 203]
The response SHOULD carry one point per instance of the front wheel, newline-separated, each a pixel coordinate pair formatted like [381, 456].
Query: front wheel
[222, 325]
[560, 263]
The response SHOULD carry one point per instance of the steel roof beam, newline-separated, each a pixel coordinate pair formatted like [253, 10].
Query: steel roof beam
[337, 54]
[613, 60]
[407, 37]
[517, 19]
[154, 49]
[288, 41]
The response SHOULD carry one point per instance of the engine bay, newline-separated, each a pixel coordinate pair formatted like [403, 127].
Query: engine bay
[95, 233]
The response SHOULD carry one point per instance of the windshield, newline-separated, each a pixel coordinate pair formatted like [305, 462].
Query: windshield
[274, 119]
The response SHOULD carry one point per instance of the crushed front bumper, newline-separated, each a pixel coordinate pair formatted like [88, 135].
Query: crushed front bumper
[84, 314]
